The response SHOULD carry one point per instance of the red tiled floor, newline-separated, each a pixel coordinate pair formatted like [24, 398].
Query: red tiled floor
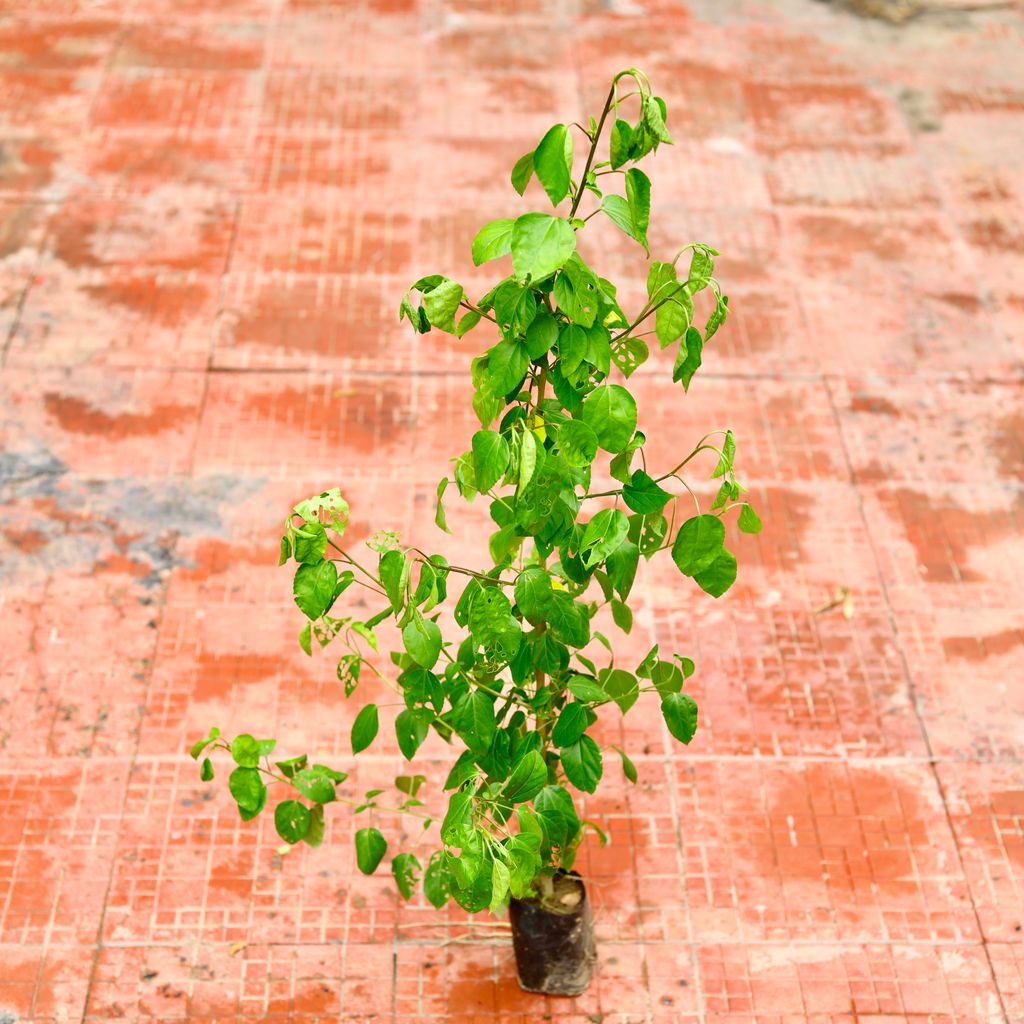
[208, 215]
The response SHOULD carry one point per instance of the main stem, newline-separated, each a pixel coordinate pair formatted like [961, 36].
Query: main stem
[593, 149]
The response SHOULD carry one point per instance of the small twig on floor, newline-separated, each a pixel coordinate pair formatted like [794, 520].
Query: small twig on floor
[842, 598]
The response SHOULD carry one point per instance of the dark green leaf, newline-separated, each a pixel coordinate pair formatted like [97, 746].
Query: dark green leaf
[642, 494]
[621, 567]
[490, 458]
[610, 412]
[507, 363]
[571, 725]
[422, 639]
[628, 768]
[638, 195]
[411, 730]
[582, 764]
[620, 139]
[528, 778]
[622, 615]
[247, 788]
[688, 358]
[394, 573]
[541, 334]
[552, 162]
[370, 849]
[291, 819]
[680, 712]
[437, 880]
[314, 588]
[533, 593]
[206, 770]
[569, 620]
[364, 728]
[404, 868]
[719, 576]
[603, 534]
[473, 719]
[577, 292]
[577, 443]
[310, 543]
[587, 690]
[698, 543]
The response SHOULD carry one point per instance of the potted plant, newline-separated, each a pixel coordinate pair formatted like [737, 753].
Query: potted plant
[492, 656]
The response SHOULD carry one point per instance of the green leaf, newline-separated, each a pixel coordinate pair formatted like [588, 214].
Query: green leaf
[411, 729]
[394, 574]
[571, 725]
[621, 566]
[628, 768]
[533, 593]
[541, 334]
[622, 615]
[680, 713]
[698, 543]
[719, 576]
[610, 412]
[527, 460]
[638, 195]
[572, 347]
[291, 766]
[582, 763]
[569, 620]
[619, 213]
[749, 521]
[552, 162]
[725, 460]
[522, 172]
[437, 880]
[246, 786]
[245, 750]
[442, 303]
[622, 687]
[200, 745]
[528, 778]
[291, 819]
[490, 615]
[473, 719]
[587, 690]
[404, 867]
[316, 783]
[688, 358]
[364, 728]
[642, 494]
[310, 543]
[507, 363]
[490, 458]
[315, 835]
[501, 881]
[286, 550]
[717, 318]
[628, 354]
[370, 849]
[492, 241]
[458, 818]
[540, 245]
[577, 292]
[422, 639]
[314, 588]
[673, 316]
[440, 520]
[621, 136]
[206, 770]
[604, 533]
[577, 443]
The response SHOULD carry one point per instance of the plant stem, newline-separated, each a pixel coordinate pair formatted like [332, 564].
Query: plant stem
[593, 150]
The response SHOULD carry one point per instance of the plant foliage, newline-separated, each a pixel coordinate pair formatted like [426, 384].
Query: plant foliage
[496, 667]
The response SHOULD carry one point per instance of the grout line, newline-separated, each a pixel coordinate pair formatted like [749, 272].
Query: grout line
[912, 692]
